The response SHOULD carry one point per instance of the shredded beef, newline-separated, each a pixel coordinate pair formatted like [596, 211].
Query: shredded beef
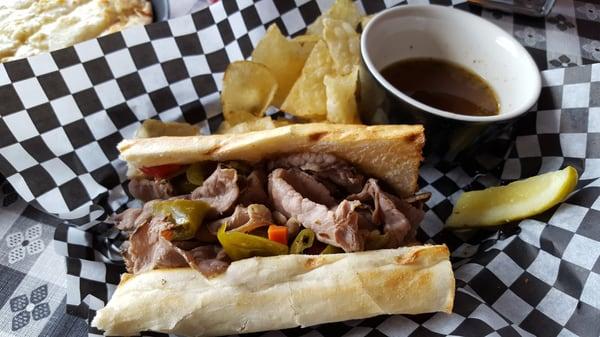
[219, 190]
[148, 189]
[338, 227]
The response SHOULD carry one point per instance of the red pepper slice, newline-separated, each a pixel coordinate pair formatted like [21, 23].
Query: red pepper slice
[161, 171]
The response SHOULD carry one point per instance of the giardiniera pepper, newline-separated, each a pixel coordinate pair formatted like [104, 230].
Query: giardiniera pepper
[375, 240]
[239, 245]
[332, 250]
[194, 174]
[186, 215]
[303, 240]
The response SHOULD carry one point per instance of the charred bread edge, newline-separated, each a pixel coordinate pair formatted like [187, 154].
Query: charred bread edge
[280, 292]
[391, 153]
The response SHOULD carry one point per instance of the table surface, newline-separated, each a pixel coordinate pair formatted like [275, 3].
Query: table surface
[32, 274]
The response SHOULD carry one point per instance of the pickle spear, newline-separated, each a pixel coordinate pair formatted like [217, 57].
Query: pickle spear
[518, 200]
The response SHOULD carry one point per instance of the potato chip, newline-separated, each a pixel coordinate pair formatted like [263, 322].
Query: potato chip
[307, 97]
[265, 123]
[307, 38]
[341, 98]
[364, 21]
[153, 128]
[306, 42]
[344, 10]
[285, 58]
[248, 89]
[343, 43]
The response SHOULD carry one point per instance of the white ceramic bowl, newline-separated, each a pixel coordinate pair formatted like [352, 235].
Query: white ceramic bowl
[414, 31]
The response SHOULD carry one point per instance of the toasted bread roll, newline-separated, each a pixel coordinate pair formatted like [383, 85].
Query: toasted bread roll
[391, 153]
[281, 292]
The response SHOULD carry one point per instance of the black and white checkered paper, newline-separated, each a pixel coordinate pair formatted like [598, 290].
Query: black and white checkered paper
[63, 113]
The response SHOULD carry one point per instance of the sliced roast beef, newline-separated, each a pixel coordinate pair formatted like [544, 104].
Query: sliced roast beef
[244, 219]
[258, 216]
[279, 218]
[398, 217]
[293, 226]
[309, 187]
[130, 219]
[338, 227]
[149, 250]
[238, 218]
[210, 260]
[413, 212]
[149, 189]
[303, 189]
[219, 190]
[254, 191]
[125, 221]
[365, 218]
[325, 166]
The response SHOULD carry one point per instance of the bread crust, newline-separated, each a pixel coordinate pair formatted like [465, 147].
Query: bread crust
[280, 292]
[391, 153]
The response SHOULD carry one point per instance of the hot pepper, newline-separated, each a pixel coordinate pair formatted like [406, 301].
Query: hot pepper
[186, 215]
[194, 174]
[375, 240]
[303, 240]
[239, 245]
[332, 250]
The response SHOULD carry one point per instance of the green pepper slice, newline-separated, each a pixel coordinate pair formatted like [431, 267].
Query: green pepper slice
[182, 185]
[194, 174]
[332, 250]
[239, 245]
[187, 215]
[376, 241]
[303, 240]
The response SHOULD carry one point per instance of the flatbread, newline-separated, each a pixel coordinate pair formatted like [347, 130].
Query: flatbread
[281, 292]
[30, 27]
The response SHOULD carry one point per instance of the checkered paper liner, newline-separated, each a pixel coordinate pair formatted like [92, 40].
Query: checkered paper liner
[63, 113]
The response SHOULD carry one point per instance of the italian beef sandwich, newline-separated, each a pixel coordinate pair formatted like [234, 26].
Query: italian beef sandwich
[294, 226]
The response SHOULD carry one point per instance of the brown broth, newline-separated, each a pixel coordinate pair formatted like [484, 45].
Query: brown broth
[443, 85]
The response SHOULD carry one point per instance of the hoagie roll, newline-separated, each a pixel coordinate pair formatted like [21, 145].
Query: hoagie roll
[295, 226]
